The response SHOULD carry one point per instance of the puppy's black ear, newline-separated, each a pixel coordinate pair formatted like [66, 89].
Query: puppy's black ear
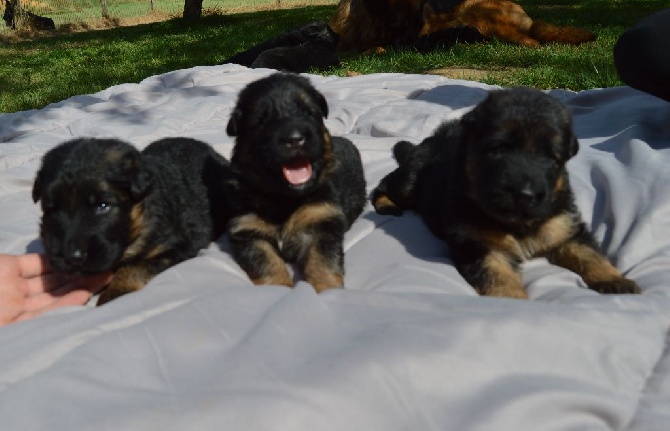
[37, 186]
[231, 128]
[470, 119]
[130, 173]
[141, 184]
[573, 145]
[321, 102]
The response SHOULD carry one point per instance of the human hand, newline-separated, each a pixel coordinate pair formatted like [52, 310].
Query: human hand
[28, 287]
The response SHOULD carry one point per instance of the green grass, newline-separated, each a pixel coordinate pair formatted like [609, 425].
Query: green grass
[36, 73]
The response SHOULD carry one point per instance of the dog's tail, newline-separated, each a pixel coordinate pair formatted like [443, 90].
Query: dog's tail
[545, 32]
[401, 150]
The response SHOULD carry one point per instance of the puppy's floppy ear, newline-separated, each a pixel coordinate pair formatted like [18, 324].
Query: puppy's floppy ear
[573, 145]
[321, 103]
[232, 127]
[469, 119]
[141, 184]
[130, 173]
[37, 186]
[53, 162]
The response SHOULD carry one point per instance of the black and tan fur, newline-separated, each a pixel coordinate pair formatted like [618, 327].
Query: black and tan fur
[109, 207]
[279, 130]
[493, 185]
[368, 24]
[22, 18]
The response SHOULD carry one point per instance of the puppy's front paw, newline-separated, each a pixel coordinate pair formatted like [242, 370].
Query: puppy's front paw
[616, 286]
[126, 279]
[385, 206]
[511, 290]
[109, 294]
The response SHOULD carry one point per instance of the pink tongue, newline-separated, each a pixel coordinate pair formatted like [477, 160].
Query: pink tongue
[298, 171]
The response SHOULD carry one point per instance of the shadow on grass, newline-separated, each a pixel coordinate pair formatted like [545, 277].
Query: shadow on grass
[87, 62]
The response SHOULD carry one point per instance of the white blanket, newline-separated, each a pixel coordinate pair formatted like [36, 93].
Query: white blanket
[407, 344]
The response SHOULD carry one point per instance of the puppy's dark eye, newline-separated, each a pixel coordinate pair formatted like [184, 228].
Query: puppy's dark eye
[102, 207]
[494, 151]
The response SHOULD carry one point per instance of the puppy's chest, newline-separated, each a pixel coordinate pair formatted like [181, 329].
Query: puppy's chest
[549, 235]
[293, 235]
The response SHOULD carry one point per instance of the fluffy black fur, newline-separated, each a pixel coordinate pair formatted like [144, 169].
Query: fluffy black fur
[297, 190]
[297, 50]
[109, 207]
[493, 185]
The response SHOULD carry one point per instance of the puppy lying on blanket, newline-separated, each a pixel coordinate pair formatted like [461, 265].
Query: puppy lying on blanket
[297, 190]
[494, 186]
[109, 207]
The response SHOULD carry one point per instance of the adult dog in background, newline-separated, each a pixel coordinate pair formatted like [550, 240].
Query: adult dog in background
[296, 189]
[109, 207]
[493, 185]
[368, 24]
[26, 18]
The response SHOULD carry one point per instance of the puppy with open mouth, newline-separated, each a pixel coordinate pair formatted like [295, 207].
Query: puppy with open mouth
[296, 188]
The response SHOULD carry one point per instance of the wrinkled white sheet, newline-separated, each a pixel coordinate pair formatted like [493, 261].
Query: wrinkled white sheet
[407, 345]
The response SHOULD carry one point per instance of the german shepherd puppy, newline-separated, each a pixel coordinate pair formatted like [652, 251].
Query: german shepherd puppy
[109, 207]
[493, 185]
[369, 24]
[297, 189]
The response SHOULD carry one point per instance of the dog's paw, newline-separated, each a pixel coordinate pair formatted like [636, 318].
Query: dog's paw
[109, 294]
[376, 50]
[385, 206]
[505, 291]
[617, 286]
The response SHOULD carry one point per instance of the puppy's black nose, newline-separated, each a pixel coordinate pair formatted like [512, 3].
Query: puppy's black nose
[529, 195]
[76, 256]
[294, 139]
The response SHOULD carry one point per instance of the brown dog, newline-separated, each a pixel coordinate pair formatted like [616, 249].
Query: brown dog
[493, 185]
[368, 24]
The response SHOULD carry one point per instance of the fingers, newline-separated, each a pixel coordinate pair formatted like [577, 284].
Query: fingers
[75, 292]
[59, 284]
[32, 265]
[90, 284]
[45, 283]
[43, 303]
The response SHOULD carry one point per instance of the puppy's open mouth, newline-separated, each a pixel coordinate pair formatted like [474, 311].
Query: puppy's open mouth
[298, 171]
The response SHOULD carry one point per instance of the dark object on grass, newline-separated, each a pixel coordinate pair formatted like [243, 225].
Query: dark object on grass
[35, 22]
[641, 55]
[297, 50]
